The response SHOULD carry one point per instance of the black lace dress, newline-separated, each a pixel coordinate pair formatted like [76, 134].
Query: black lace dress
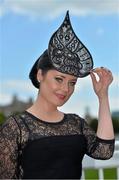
[33, 149]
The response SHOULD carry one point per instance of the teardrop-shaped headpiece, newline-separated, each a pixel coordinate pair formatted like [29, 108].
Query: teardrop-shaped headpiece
[67, 53]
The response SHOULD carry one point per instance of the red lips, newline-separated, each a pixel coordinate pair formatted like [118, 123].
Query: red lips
[60, 96]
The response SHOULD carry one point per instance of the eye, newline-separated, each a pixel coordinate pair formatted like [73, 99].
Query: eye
[72, 83]
[58, 79]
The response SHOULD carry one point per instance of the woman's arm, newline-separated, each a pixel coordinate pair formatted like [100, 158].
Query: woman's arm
[8, 149]
[105, 127]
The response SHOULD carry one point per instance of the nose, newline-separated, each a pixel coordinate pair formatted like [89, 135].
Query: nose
[65, 87]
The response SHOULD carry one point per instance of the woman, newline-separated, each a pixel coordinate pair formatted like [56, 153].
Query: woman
[43, 142]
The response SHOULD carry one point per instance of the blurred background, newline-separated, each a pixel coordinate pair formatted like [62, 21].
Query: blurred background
[25, 29]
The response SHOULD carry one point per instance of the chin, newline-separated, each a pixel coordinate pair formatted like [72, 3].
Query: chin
[61, 104]
[58, 104]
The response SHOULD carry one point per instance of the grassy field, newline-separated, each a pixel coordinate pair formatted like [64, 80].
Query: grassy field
[109, 174]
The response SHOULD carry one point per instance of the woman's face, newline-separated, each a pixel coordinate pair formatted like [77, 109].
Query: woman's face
[56, 87]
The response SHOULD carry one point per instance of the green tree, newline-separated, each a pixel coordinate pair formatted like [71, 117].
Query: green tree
[115, 121]
[2, 118]
[94, 124]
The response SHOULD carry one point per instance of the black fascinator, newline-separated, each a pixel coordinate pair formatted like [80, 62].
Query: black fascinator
[67, 53]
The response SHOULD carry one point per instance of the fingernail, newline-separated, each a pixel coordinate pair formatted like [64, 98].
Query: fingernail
[93, 69]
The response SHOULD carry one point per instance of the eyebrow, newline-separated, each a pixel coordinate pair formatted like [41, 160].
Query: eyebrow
[65, 77]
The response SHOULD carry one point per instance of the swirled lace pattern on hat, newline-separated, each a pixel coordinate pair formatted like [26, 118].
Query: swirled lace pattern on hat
[67, 53]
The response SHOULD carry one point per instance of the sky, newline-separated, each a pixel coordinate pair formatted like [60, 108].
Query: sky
[25, 30]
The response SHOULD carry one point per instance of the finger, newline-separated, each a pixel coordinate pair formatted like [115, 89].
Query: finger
[106, 69]
[96, 69]
[102, 72]
[98, 72]
[101, 69]
[106, 73]
[93, 77]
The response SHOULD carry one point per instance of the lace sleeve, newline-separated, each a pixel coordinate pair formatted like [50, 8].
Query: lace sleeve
[96, 147]
[8, 148]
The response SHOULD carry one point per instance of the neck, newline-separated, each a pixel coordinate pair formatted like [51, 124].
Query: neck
[45, 111]
[41, 105]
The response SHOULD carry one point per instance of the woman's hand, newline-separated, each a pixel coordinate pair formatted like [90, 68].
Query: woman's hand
[105, 126]
[105, 78]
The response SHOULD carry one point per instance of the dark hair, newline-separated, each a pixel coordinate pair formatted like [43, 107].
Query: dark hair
[43, 63]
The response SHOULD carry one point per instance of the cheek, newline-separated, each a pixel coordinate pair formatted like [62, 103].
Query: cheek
[49, 87]
[52, 86]
[71, 90]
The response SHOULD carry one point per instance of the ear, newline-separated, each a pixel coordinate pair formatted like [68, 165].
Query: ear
[39, 75]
